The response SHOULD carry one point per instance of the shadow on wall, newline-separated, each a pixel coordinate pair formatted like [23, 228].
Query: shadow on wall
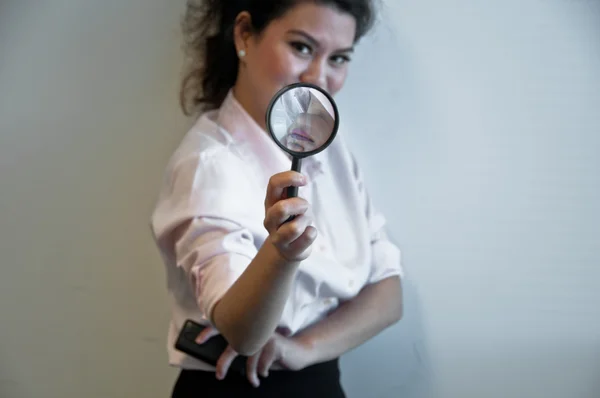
[396, 363]
[382, 99]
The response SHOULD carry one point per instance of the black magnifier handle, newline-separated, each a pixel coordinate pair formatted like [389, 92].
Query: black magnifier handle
[292, 192]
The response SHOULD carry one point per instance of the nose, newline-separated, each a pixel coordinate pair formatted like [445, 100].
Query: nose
[316, 74]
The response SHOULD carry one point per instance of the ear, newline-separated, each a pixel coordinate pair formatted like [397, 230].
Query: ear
[242, 31]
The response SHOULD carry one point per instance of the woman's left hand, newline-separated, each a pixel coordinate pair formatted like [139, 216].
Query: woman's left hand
[286, 351]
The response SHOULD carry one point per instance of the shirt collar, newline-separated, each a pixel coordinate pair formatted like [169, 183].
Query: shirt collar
[247, 133]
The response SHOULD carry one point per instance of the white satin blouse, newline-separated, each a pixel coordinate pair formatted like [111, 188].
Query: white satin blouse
[218, 177]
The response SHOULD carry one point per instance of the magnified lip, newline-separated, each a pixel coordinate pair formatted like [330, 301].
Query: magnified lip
[301, 135]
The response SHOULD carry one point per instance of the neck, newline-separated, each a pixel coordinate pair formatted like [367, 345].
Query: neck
[243, 95]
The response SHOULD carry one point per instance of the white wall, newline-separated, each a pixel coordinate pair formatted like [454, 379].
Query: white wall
[481, 145]
[88, 116]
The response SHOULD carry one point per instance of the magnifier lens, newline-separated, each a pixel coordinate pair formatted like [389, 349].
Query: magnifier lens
[303, 120]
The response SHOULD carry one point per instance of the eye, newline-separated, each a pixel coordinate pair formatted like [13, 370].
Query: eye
[340, 59]
[301, 48]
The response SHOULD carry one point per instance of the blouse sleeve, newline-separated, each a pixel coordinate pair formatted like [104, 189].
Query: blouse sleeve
[201, 224]
[214, 253]
[385, 255]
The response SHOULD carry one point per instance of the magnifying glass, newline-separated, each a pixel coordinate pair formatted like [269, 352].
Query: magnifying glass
[303, 120]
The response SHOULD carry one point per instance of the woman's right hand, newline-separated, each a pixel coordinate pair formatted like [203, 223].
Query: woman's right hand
[293, 239]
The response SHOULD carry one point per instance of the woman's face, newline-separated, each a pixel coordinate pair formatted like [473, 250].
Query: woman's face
[309, 132]
[310, 44]
[311, 124]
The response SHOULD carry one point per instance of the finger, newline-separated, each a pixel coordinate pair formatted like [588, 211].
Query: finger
[279, 182]
[266, 361]
[305, 240]
[224, 362]
[280, 212]
[206, 334]
[291, 231]
[251, 365]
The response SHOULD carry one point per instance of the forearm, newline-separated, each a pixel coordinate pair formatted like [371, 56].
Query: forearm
[249, 312]
[375, 308]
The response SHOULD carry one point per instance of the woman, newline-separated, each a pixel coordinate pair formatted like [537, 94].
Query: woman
[293, 296]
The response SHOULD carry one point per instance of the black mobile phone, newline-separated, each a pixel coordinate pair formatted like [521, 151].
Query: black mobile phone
[210, 350]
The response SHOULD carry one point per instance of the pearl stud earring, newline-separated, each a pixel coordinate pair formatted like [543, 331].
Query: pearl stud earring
[242, 53]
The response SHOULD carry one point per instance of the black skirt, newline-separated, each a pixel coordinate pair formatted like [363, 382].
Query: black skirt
[319, 381]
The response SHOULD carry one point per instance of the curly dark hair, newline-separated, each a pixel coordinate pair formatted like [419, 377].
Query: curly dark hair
[208, 42]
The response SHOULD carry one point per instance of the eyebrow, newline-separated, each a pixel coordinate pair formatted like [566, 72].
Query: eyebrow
[315, 42]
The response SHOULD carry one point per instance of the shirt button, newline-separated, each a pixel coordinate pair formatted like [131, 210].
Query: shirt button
[322, 248]
[351, 283]
[328, 301]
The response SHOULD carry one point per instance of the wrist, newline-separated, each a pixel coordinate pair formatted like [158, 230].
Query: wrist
[277, 258]
[309, 349]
